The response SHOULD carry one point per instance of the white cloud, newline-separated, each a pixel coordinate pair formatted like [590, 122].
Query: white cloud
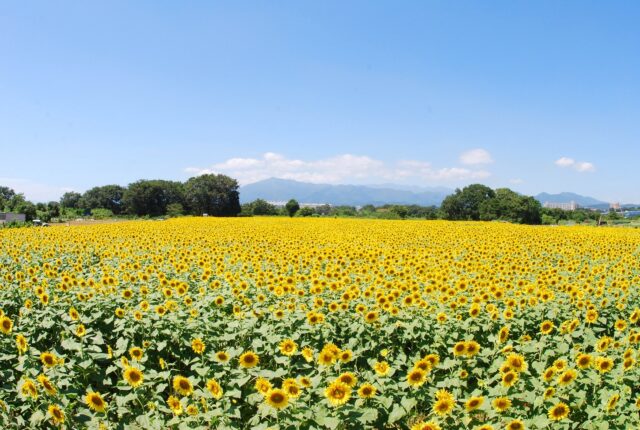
[345, 168]
[580, 166]
[585, 166]
[476, 156]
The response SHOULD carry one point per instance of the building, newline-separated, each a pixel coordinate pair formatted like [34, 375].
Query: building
[12, 217]
[570, 206]
[614, 206]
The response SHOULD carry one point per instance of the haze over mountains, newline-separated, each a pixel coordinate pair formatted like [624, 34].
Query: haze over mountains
[280, 190]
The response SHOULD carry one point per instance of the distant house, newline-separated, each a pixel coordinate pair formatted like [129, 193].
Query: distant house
[12, 217]
[569, 206]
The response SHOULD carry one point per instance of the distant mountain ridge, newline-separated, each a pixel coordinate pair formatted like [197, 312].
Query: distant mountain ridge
[275, 189]
[281, 190]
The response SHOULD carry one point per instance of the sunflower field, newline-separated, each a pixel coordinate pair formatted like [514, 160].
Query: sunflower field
[273, 323]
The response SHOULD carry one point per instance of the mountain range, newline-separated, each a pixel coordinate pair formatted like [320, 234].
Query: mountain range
[281, 190]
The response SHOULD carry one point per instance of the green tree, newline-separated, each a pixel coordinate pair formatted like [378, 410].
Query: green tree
[215, 195]
[465, 204]
[152, 197]
[401, 211]
[175, 209]
[292, 207]
[306, 211]
[263, 207]
[6, 194]
[507, 205]
[70, 200]
[106, 197]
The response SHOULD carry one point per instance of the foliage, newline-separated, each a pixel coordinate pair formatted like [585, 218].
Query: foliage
[262, 207]
[216, 195]
[292, 207]
[71, 200]
[152, 197]
[306, 211]
[353, 323]
[104, 197]
[465, 204]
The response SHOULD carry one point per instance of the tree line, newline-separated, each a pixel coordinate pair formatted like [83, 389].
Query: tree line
[218, 195]
[215, 195]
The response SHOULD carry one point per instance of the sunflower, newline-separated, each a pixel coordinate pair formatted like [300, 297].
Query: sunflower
[192, 410]
[222, 357]
[549, 392]
[326, 358]
[381, 368]
[473, 403]
[47, 385]
[423, 365]
[174, 405]
[307, 353]
[471, 348]
[56, 414]
[338, 393]
[262, 385]
[501, 404]
[95, 401]
[558, 412]
[416, 377]
[591, 316]
[459, 349]
[345, 356]
[515, 425]
[517, 362]
[182, 385]
[21, 344]
[503, 334]
[367, 391]
[371, 316]
[305, 381]
[604, 364]
[421, 425]
[215, 389]
[73, 314]
[583, 361]
[291, 387]
[81, 330]
[6, 325]
[48, 359]
[248, 360]
[277, 398]
[133, 376]
[288, 347]
[348, 378]
[198, 346]
[612, 402]
[136, 353]
[28, 388]
[443, 406]
[546, 327]
[509, 378]
[567, 377]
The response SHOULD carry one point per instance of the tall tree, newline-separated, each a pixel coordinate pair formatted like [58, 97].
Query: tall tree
[465, 204]
[292, 207]
[215, 195]
[70, 200]
[105, 197]
[152, 197]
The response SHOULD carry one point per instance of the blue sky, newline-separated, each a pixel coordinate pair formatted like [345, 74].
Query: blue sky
[536, 96]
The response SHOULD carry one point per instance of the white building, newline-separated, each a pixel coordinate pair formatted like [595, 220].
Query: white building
[570, 206]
